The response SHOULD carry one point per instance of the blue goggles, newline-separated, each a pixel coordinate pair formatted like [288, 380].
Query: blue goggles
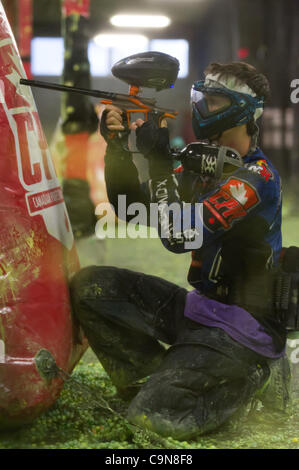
[217, 109]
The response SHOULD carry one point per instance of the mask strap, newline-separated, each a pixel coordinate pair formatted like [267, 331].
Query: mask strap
[254, 139]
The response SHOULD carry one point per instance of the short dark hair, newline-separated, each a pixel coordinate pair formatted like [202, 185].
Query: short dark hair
[248, 74]
[244, 72]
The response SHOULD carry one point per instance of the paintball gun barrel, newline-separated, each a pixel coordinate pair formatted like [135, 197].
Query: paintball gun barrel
[148, 69]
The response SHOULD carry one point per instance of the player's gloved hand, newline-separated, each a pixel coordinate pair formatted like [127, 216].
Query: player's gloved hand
[150, 138]
[153, 142]
[112, 126]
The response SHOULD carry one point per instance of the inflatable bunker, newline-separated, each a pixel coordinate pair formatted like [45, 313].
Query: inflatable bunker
[37, 255]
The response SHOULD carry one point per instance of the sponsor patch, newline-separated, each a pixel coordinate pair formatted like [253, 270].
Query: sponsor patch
[231, 202]
[261, 167]
[178, 169]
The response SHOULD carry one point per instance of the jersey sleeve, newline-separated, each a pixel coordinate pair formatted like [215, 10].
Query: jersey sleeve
[122, 182]
[244, 195]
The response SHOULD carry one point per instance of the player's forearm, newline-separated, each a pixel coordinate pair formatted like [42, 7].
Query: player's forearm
[121, 178]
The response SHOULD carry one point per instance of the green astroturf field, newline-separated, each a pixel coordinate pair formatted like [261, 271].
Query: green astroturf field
[89, 415]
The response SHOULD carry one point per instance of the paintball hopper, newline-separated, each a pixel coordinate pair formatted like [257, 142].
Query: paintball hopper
[148, 69]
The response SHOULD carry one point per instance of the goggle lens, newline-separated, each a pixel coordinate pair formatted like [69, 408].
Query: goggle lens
[209, 104]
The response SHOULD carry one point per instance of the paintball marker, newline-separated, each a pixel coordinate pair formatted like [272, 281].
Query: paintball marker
[148, 69]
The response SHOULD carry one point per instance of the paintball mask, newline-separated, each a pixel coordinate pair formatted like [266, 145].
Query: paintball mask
[220, 104]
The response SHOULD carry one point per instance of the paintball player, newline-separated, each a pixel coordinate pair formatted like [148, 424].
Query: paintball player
[188, 361]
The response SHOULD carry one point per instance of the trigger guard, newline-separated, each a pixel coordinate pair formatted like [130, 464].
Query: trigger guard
[126, 121]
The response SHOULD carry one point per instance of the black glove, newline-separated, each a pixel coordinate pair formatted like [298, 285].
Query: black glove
[153, 142]
[115, 139]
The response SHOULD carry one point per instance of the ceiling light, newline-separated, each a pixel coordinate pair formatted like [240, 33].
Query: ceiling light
[140, 21]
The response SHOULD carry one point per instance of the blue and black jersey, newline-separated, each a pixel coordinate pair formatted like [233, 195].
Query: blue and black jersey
[241, 224]
[239, 219]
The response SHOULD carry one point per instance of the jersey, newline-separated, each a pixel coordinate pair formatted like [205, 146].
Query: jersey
[239, 220]
[241, 225]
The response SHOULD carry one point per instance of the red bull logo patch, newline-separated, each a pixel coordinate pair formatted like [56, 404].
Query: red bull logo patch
[261, 167]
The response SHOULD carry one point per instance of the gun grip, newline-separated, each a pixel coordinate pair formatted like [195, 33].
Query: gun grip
[156, 116]
[126, 120]
[126, 131]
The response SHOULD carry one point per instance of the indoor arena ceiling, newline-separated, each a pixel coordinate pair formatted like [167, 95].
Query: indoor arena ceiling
[47, 12]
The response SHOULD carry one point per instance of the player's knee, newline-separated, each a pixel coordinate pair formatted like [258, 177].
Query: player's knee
[92, 284]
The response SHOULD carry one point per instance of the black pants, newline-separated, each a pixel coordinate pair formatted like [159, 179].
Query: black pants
[194, 385]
